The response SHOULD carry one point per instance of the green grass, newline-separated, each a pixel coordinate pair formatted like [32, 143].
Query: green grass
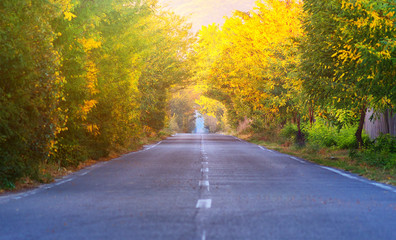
[327, 157]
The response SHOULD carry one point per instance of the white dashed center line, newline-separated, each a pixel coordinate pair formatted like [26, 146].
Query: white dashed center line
[204, 235]
[204, 183]
[204, 203]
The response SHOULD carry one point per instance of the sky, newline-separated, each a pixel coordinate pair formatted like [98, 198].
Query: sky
[205, 12]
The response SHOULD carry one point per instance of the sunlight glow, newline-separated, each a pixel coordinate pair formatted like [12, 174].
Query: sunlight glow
[204, 12]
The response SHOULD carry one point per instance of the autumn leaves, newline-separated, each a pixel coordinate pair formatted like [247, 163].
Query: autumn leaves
[82, 78]
[250, 63]
[297, 61]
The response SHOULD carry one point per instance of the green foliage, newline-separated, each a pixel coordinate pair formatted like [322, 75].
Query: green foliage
[324, 134]
[80, 79]
[380, 153]
[345, 138]
[384, 143]
[182, 109]
[289, 131]
[30, 87]
[321, 134]
[379, 159]
[347, 55]
[68, 154]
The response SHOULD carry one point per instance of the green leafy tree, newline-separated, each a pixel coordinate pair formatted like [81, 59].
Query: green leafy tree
[30, 87]
[347, 55]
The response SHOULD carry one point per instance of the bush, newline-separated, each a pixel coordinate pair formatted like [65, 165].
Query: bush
[321, 134]
[384, 143]
[345, 138]
[289, 131]
[379, 153]
[325, 135]
[69, 154]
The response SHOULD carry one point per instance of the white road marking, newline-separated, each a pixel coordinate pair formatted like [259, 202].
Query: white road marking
[205, 163]
[84, 173]
[63, 181]
[383, 186]
[204, 183]
[298, 160]
[380, 185]
[151, 147]
[204, 203]
[340, 173]
[205, 170]
[263, 148]
[204, 235]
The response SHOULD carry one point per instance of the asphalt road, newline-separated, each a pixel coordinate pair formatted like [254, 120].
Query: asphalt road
[203, 187]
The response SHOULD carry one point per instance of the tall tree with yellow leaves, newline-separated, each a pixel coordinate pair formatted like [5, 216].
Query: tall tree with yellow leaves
[255, 73]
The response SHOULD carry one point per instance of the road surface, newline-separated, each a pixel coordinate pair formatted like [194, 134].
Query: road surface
[203, 187]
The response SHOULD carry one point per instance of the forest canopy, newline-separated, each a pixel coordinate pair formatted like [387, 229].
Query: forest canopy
[298, 61]
[80, 79]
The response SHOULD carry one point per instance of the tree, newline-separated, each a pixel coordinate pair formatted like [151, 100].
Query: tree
[253, 67]
[80, 79]
[30, 87]
[165, 64]
[347, 61]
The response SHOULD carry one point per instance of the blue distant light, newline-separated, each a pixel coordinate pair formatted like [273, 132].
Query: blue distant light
[199, 123]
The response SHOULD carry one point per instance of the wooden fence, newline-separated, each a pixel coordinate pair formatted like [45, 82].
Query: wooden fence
[377, 123]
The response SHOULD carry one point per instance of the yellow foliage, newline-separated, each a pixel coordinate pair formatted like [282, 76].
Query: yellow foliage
[253, 60]
[93, 128]
[88, 105]
[66, 7]
[92, 72]
[69, 15]
[89, 43]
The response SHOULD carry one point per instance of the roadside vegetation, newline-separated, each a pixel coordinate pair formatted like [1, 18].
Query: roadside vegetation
[376, 160]
[299, 77]
[83, 80]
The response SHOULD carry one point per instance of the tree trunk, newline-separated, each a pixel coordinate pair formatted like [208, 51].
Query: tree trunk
[300, 135]
[387, 121]
[359, 131]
